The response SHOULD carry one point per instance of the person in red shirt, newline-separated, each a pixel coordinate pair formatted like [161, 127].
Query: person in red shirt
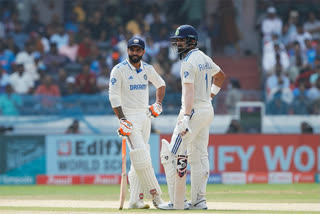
[48, 91]
[86, 81]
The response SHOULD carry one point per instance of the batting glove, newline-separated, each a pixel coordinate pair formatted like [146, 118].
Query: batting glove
[183, 125]
[125, 128]
[155, 110]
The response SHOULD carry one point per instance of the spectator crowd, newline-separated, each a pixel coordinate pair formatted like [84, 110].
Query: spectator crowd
[291, 61]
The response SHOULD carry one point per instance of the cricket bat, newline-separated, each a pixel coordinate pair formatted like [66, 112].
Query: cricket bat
[123, 185]
[180, 183]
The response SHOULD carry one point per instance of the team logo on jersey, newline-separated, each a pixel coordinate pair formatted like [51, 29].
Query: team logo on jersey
[113, 81]
[186, 73]
[130, 78]
[177, 31]
[145, 77]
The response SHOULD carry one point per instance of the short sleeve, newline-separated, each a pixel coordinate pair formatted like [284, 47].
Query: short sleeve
[187, 72]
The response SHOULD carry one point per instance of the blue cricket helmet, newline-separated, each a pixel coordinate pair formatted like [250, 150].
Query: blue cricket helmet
[185, 32]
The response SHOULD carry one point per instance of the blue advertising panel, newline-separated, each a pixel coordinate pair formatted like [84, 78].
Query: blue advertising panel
[22, 158]
[89, 154]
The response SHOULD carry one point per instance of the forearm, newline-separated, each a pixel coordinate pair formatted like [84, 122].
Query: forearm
[118, 111]
[188, 97]
[218, 80]
[160, 94]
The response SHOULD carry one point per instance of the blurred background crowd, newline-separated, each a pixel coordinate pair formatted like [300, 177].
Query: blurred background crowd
[56, 56]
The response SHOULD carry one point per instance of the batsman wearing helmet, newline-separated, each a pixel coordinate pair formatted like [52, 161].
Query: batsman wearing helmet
[201, 80]
[129, 97]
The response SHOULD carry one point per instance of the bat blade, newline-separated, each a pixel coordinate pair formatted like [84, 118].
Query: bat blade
[123, 184]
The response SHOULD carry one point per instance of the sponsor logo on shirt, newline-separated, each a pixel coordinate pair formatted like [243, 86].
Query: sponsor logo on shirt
[138, 87]
[130, 78]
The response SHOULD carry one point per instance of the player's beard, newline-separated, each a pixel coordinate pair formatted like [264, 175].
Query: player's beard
[135, 58]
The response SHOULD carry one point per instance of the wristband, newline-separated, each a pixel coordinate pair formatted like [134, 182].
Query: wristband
[215, 89]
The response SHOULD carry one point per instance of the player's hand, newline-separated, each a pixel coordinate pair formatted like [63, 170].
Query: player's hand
[183, 125]
[154, 110]
[125, 128]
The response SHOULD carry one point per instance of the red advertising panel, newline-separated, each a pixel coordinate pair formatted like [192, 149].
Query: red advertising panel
[263, 153]
[78, 179]
[58, 179]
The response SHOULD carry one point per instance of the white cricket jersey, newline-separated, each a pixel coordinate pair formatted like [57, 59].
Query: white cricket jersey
[198, 68]
[128, 86]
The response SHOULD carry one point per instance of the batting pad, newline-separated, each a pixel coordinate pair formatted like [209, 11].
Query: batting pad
[136, 191]
[168, 163]
[141, 162]
[199, 177]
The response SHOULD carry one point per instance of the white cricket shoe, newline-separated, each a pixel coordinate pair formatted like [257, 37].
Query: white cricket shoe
[200, 205]
[157, 201]
[139, 205]
[169, 206]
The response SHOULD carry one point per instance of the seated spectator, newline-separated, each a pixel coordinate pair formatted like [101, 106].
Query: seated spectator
[301, 36]
[99, 65]
[274, 57]
[71, 88]
[19, 36]
[298, 61]
[60, 37]
[26, 58]
[48, 88]
[314, 92]
[312, 25]
[6, 57]
[10, 102]
[70, 50]
[53, 60]
[21, 82]
[313, 77]
[86, 81]
[103, 81]
[306, 128]
[234, 127]
[73, 128]
[300, 90]
[277, 80]
[301, 104]
[4, 80]
[233, 96]
[271, 24]
[277, 105]
[84, 49]
[48, 92]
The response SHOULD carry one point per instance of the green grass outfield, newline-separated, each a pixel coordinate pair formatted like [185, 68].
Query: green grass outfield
[254, 193]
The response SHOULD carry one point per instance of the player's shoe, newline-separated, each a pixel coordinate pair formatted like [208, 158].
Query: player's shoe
[157, 201]
[169, 206]
[200, 205]
[139, 205]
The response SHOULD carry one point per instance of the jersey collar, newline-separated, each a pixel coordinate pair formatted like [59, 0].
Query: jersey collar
[133, 68]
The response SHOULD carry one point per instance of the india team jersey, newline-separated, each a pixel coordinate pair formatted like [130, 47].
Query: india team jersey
[198, 68]
[128, 86]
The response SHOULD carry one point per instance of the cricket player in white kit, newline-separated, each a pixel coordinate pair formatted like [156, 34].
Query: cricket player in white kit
[129, 97]
[201, 80]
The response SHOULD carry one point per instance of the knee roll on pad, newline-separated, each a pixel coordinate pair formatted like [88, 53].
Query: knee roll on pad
[141, 162]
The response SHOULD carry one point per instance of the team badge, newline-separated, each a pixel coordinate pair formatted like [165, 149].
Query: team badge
[177, 31]
[186, 73]
[113, 81]
[136, 41]
[145, 77]
[182, 161]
